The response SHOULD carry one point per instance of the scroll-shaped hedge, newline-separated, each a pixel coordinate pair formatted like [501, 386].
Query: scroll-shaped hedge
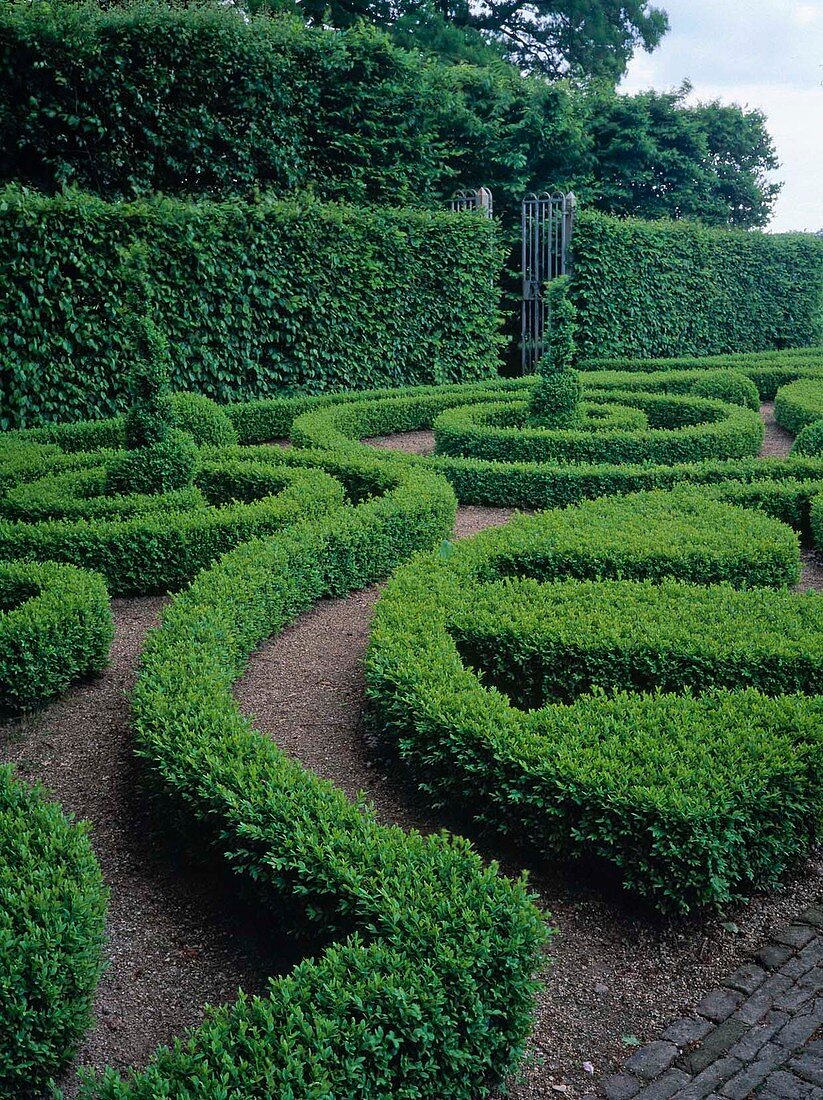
[679, 429]
[427, 991]
[51, 934]
[152, 544]
[693, 793]
[55, 626]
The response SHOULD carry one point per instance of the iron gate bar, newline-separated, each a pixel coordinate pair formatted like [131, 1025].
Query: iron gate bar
[547, 223]
[478, 198]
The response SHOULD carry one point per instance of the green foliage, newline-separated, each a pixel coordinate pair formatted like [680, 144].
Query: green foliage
[728, 385]
[555, 400]
[55, 626]
[161, 467]
[645, 289]
[566, 713]
[428, 989]
[147, 420]
[799, 404]
[155, 548]
[810, 440]
[253, 298]
[680, 429]
[656, 155]
[195, 100]
[51, 937]
[203, 419]
[767, 374]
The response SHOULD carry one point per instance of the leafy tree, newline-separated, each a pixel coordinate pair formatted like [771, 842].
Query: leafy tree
[591, 40]
[653, 155]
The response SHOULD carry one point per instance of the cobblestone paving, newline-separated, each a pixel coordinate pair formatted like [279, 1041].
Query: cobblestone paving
[760, 1035]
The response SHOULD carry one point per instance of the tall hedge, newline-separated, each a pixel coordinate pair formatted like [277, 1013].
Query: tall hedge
[201, 100]
[253, 297]
[645, 289]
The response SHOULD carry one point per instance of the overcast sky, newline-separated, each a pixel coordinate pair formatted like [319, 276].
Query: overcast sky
[760, 53]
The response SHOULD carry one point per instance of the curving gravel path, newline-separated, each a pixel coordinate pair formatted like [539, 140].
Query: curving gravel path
[176, 939]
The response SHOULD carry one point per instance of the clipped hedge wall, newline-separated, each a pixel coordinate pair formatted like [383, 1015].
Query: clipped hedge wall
[693, 800]
[644, 289]
[254, 298]
[51, 937]
[55, 626]
[198, 100]
[425, 989]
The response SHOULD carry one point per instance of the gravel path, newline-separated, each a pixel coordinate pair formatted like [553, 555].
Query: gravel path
[777, 442]
[613, 974]
[176, 940]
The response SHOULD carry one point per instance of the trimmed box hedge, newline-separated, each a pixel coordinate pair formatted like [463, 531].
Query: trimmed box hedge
[254, 298]
[153, 544]
[51, 937]
[679, 429]
[692, 799]
[426, 988]
[799, 404]
[55, 626]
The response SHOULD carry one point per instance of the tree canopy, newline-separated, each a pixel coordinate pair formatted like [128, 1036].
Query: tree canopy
[587, 40]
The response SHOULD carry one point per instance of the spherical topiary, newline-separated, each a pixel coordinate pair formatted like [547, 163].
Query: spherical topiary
[202, 419]
[809, 442]
[158, 467]
[728, 385]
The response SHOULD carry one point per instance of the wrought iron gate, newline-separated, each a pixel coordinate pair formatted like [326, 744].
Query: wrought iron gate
[547, 222]
[477, 198]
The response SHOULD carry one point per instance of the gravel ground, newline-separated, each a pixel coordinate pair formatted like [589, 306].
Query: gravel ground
[410, 443]
[175, 938]
[777, 442]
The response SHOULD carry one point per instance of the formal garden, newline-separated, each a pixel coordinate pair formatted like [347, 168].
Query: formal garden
[379, 721]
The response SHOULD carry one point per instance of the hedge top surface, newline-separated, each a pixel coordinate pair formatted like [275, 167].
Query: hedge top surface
[649, 535]
[680, 429]
[694, 798]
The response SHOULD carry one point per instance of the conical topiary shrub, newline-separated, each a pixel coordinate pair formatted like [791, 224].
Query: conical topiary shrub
[555, 400]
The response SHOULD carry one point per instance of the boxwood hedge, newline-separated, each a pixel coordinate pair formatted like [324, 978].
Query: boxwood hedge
[680, 429]
[51, 935]
[639, 754]
[427, 990]
[800, 403]
[55, 626]
[144, 544]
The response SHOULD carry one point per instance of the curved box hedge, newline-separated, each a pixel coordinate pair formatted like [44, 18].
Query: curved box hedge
[680, 429]
[426, 989]
[55, 626]
[154, 545]
[598, 719]
[799, 404]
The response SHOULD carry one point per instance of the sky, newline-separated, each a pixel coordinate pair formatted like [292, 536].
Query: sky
[766, 54]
